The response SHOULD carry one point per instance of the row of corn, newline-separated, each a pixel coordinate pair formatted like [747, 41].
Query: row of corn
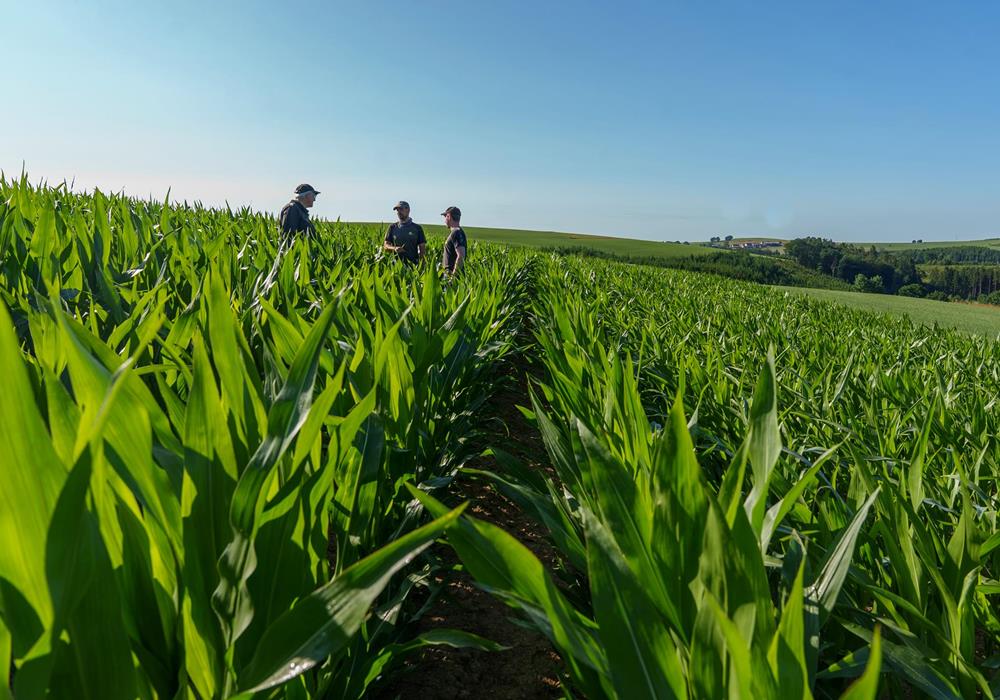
[755, 495]
[209, 436]
[227, 455]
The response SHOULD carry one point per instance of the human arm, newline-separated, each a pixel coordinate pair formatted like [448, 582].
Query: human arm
[421, 243]
[459, 243]
[389, 243]
[459, 259]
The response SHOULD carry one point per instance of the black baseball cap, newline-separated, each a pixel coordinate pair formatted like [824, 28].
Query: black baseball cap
[455, 212]
[305, 189]
[401, 205]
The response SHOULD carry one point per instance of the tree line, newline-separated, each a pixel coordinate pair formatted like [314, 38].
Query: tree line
[959, 272]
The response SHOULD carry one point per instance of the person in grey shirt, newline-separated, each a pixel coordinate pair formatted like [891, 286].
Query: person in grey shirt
[456, 246]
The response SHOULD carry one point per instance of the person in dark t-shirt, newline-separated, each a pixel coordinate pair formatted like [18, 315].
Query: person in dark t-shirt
[405, 238]
[294, 218]
[456, 246]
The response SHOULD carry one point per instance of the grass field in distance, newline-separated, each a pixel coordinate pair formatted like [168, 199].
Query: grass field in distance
[971, 318]
[984, 242]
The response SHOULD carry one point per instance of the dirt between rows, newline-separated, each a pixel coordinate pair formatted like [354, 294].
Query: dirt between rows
[530, 669]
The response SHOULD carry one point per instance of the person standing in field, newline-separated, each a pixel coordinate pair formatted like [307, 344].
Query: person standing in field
[456, 245]
[294, 218]
[405, 238]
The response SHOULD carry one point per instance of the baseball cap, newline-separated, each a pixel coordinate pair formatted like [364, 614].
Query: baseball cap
[401, 205]
[455, 212]
[305, 189]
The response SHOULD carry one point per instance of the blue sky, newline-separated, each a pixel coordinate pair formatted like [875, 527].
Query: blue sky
[668, 121]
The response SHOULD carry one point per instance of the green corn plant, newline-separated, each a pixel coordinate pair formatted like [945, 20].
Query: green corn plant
[210, 414]
[879, 394]
[93, 571]
[671, 613]
[163, 348]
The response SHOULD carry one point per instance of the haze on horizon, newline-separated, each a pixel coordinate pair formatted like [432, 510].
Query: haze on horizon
[854, 122]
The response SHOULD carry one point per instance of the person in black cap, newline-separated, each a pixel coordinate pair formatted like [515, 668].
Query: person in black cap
[405, 238]
[456, 245]
[295, 215]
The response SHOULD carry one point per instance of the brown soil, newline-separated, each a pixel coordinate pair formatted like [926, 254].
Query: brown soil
[530, 668]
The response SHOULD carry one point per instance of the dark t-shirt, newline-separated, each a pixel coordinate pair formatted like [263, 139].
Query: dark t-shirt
[295, 219]
[409, 235]
[455, 241]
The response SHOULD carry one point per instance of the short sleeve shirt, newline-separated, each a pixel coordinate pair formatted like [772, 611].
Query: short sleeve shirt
[455, 241]
[409, 235]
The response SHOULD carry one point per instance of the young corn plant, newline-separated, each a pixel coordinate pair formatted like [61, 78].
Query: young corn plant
[681, 601]
[193, 415]
[910, 415]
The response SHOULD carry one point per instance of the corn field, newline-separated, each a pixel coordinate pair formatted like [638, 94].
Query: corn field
[228, 458]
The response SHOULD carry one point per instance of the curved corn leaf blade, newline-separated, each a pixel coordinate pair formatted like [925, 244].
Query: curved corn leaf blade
[323, 622]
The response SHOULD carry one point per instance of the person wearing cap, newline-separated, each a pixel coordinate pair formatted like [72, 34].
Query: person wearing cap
[456, 245]
[405, 238]
[295, 215]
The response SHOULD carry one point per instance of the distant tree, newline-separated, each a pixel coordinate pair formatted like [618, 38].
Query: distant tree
[714, 239]
[850, 266]
[967, 281]
[911, 290]
[872, 284]
[728, 238]
[815, 253]
[938, 295]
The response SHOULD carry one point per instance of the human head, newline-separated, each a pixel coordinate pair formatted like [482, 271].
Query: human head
[452, 216]
[402, 210]
[306, 195]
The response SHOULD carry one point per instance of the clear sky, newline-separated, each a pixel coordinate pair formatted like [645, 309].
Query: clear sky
[857, 121]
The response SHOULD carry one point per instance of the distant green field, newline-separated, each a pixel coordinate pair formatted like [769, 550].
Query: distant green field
[985, 242]
[971, 318]
[551, 239]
